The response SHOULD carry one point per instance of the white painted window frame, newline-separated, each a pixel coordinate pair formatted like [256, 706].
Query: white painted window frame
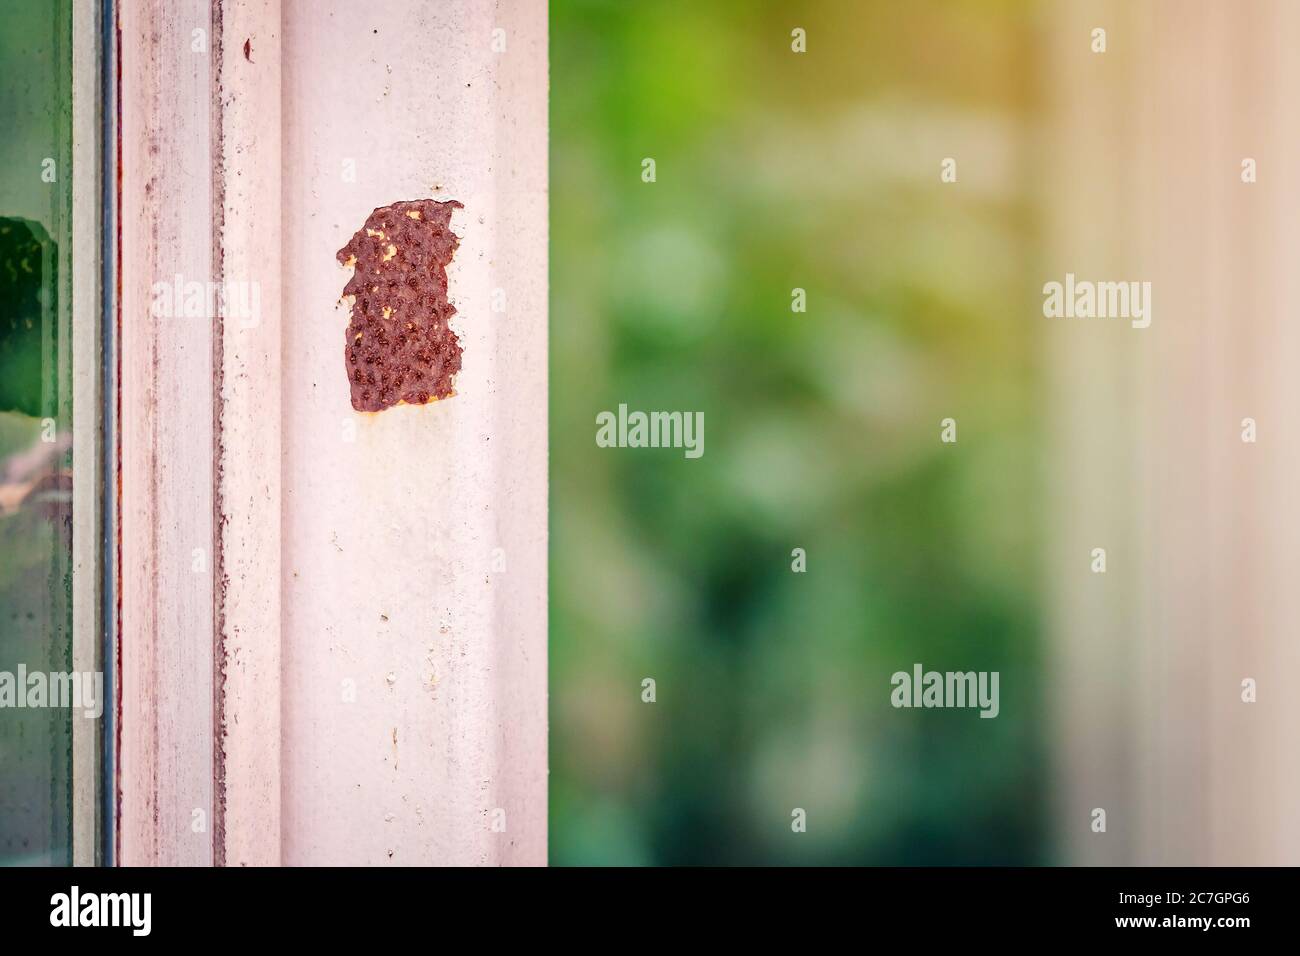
[207, 596]
[87, 434]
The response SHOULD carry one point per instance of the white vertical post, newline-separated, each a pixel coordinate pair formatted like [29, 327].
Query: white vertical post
[165, 634]
[87, 420]
[359, 676]
[247, 246]
[1145, 182]
[414, 539]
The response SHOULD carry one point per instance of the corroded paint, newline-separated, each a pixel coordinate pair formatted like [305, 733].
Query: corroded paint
[400, 347]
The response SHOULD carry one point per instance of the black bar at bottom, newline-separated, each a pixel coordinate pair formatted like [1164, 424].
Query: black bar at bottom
[384, 906]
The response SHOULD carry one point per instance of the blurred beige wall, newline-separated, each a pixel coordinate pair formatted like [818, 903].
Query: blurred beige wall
[1141, 179]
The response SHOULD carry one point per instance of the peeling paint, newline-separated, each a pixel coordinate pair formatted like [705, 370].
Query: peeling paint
[400, 348]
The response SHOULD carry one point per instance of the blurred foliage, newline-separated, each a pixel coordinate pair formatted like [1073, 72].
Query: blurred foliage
[777, 170]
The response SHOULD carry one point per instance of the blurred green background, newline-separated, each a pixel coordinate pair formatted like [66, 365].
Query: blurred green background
[777, 170]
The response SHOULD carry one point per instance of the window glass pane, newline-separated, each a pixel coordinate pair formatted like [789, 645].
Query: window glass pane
[35, 432]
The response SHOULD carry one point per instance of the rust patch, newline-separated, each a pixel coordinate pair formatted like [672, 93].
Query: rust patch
[400, 348]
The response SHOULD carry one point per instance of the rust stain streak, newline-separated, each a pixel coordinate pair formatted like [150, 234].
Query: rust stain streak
[116, 774]
[219, 579]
